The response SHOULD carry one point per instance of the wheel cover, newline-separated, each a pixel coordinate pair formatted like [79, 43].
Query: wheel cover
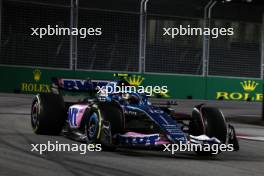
[34, 115]
[92, 126]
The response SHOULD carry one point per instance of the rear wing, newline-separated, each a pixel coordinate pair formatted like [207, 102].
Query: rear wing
[76, 85]
[82, 85]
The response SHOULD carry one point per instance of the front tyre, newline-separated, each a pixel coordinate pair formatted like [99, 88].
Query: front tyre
[102, 122]
[92, 126]
[211, 122]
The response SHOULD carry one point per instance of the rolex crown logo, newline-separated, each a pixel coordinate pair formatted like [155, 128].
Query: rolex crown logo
[134, 80]
[249, 85]
[37, 74]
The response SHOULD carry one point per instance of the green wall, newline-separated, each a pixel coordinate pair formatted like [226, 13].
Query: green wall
[33, 80]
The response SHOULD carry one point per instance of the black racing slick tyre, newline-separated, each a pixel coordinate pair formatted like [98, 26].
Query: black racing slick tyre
[215, 123]
[113, 114]
[211, 122]
[93, 125]
[102, 123]
[48, 114]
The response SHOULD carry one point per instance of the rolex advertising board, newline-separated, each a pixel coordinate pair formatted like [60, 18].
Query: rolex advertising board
[36, 80]
[234, 89]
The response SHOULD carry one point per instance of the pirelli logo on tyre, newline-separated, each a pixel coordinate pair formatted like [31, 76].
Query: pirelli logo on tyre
[249, 92]
[35, 85]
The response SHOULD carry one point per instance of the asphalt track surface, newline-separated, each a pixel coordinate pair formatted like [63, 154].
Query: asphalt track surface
[16, 157]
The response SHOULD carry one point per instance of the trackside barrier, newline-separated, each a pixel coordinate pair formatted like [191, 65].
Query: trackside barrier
[33, 80]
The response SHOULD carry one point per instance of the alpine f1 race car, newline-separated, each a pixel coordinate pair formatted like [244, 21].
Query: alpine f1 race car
[125, 119]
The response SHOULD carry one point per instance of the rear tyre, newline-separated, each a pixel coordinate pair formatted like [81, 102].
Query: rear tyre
[48, 114]
[211, 122]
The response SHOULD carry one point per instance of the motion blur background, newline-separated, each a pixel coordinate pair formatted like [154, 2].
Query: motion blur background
[132, 41]
[118, 48]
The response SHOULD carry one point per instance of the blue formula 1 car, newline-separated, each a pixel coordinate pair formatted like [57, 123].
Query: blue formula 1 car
[125, 120]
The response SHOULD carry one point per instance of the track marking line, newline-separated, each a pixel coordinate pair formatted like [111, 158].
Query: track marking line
[254, 138]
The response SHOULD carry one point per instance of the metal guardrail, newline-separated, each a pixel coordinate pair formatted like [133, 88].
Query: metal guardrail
[131, 42]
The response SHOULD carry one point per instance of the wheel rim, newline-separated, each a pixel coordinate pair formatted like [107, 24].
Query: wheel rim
[92, 126]
[34, 115]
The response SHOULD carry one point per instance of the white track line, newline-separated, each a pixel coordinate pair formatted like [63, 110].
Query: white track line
[254, 138]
